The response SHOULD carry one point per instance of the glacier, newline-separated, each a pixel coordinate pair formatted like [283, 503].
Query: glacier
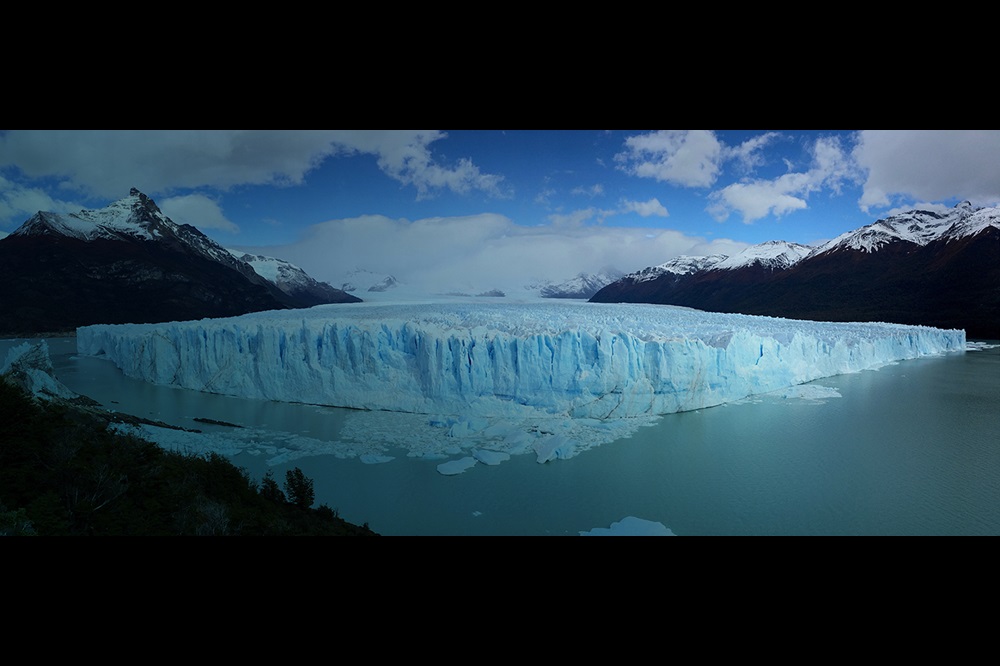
[469, 359]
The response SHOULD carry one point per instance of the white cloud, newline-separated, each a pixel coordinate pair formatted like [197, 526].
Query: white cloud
[754, 199]
[197, 210]
[18, 203]
[107, 163]
[939, 208]
[405, 155]
[592, 191]
[690, 158]
[481, 252]
[577, 218]
[650, 208]
[749, 154]
[930, 165]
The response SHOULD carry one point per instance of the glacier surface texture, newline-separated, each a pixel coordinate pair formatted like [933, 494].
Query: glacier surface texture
[576, 359]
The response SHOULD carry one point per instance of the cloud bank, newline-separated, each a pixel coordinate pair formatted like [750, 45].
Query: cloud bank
[481, 252]
[106, 163]
[928, 165]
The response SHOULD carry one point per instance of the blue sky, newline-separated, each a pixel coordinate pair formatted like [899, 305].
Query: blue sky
[500, 205]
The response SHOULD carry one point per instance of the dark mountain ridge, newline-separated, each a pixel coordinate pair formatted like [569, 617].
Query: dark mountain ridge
[918, 268]
[127, 263]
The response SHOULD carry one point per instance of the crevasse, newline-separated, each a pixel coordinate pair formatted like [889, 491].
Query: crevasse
[504, 359]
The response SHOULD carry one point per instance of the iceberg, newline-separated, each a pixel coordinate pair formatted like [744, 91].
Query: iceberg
[472, 359]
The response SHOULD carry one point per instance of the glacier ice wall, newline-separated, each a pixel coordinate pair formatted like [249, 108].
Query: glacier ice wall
[588, 360]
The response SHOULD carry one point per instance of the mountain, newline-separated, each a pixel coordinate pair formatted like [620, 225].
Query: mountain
[295, 282]
[917, 267]
[126, 263]
[365, 280]
[583, 286]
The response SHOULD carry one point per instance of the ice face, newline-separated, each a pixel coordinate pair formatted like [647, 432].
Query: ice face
[496, 359]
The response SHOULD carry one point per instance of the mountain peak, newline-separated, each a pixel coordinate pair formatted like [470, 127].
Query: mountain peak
[144, 200]
[134, 217]
[774, 255]
[917, 226]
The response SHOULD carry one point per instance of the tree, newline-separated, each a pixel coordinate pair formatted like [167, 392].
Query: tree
[299, 488]
[269, 488]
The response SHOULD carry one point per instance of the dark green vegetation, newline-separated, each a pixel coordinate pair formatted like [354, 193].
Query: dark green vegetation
[62, 473]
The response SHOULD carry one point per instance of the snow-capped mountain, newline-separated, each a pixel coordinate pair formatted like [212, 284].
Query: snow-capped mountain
[385, 284]
[364, 280]
[678, 266]
[291, 279]
[127, 262]
[134, 218]
[917, 267]
[772, 255]
[919, 227]
[583, 286]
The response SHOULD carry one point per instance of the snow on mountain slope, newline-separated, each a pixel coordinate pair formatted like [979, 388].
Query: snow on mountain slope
[135, 217]
[363, 280]
[973, 224]
[682, 265]
[775, 255]
[494, 359]
[291, 279]
[916, 226]
[583, 286]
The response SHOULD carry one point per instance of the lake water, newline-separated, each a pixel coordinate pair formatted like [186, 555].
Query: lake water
[909, 449]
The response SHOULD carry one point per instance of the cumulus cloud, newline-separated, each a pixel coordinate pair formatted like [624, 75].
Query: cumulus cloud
[750, 154]
[757, 199]
[197, 210]
[18, 203]
[481, 252]
[650, 208]
[405, 155]
[754, 198]
[930, 165]
[939, 208]
[106, 163]
[690, 158]
[578, 217]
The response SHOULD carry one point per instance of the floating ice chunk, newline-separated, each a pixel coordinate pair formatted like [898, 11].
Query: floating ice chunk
[466, 427]
[453, 467]
[631, 526]
[554, 447]
[490, 457]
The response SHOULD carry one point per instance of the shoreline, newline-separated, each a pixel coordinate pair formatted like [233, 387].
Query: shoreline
[38, 336]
